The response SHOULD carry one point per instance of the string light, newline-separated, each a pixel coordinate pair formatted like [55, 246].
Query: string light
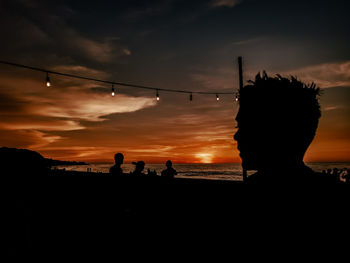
[130, 85]
[113, 91]
[48, 82]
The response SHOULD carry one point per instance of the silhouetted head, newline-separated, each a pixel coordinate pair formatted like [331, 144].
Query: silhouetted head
[277, 121]
[119, 158]
[169, 164]
[140, 165]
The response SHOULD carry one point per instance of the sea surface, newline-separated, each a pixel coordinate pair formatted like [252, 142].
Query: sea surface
[232, 171]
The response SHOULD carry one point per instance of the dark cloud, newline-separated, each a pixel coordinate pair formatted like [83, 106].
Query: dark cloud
[187, 45]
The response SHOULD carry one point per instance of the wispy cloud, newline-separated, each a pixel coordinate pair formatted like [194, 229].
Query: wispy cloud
[50, 33]
[248, 41]
[101, 51]
[325, 75]
[148, 10]
[81, 71]
[214, 79]
[224, 3]
[331, 108]
[26, 138]
[27, 123]
[89, 106]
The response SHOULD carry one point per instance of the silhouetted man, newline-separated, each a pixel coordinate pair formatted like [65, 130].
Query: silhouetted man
[277, 122]
[169, 172]
[116, 168]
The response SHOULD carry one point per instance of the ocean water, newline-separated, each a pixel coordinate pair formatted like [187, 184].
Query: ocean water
[231, 171]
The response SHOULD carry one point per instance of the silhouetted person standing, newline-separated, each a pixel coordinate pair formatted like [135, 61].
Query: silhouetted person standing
[139, 167]
[116, 168]
[277, 121]
[169, 172]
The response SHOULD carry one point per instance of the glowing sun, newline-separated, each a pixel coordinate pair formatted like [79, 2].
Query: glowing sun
[204, 157]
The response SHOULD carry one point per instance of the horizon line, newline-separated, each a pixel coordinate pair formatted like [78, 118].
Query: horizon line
[211, 163]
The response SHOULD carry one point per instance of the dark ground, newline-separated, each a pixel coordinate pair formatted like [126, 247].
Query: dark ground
[79, 215]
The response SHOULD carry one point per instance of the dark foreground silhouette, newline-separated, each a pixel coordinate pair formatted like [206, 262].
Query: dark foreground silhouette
[277, 121]
[60, 215]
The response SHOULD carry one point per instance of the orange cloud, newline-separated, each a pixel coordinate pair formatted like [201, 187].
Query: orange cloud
[89, 106]
[26, 139]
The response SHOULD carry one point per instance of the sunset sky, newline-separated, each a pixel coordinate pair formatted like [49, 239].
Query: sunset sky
[172, 44]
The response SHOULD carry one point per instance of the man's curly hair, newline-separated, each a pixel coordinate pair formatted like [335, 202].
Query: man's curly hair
[281, 104]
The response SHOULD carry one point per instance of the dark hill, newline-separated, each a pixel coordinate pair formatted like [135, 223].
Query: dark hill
[32, 156]
[23, 162]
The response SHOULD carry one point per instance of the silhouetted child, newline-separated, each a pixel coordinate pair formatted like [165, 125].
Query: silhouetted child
[170, 172]
[139, 166]
[116, 169]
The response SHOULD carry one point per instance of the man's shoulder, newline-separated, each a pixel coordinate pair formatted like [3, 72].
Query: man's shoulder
[303, 176]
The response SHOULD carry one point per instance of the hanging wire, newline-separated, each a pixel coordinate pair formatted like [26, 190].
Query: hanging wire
[109, 82]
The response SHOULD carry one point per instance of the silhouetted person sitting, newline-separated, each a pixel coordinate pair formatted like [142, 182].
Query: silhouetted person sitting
[116, 168]
[346, 176]
[151, 173]
[277, 121]
[336, 174]
[139, 166]
[169, 172]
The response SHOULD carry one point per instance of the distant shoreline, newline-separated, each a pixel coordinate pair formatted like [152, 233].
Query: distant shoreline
[52, 162]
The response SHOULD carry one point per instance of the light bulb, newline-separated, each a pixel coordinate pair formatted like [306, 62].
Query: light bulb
[157, 96]
[48, 83]
[217, 97]
[113, 91]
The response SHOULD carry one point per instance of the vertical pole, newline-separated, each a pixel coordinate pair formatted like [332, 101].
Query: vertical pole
[245, 176]
[240, 72]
